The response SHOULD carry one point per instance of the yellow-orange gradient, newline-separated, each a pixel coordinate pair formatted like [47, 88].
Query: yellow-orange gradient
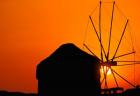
[30, 30]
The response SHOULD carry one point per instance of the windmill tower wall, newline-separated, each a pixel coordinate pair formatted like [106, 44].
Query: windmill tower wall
[69, 71]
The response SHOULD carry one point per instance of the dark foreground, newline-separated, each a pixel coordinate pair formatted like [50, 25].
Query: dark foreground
[120, 92]
[6, 93]
[128, 92]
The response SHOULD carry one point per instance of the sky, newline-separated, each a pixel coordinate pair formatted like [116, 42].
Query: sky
[30, 30]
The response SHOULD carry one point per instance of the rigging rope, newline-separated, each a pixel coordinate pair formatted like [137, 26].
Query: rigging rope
[94, 9]
[85, 33]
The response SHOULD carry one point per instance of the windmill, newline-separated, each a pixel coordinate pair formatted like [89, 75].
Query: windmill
[108, 58]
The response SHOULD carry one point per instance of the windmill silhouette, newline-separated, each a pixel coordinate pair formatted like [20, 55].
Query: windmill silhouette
[108, 58]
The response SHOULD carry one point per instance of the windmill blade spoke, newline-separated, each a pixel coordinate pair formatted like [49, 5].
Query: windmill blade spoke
[105, 74]
[122, 78]
[98, 37]
[90, 51]
[110, 30]
[100, 31]
[130, 61]
[120, 40]
[128, 64]
[123, 55]
[114, 78]
[102, 80]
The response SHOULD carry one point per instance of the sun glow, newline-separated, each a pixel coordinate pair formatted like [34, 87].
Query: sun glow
[105, 69]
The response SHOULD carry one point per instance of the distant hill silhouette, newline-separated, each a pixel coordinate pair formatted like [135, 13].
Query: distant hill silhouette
[6, 93]
[69, 71]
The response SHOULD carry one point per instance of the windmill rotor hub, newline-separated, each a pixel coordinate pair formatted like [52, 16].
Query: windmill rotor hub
[109, 63]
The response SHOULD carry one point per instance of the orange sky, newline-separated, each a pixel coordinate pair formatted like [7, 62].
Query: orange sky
[30, 30]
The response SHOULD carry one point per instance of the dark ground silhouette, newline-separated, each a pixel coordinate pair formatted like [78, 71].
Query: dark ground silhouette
[6, 93]
[69, 71]
[128, 92]
[132, 92]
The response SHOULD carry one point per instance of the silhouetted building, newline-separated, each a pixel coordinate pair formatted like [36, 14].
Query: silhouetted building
[69, 71]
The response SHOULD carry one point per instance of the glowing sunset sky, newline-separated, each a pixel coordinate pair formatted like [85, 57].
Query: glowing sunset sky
[30, 30]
